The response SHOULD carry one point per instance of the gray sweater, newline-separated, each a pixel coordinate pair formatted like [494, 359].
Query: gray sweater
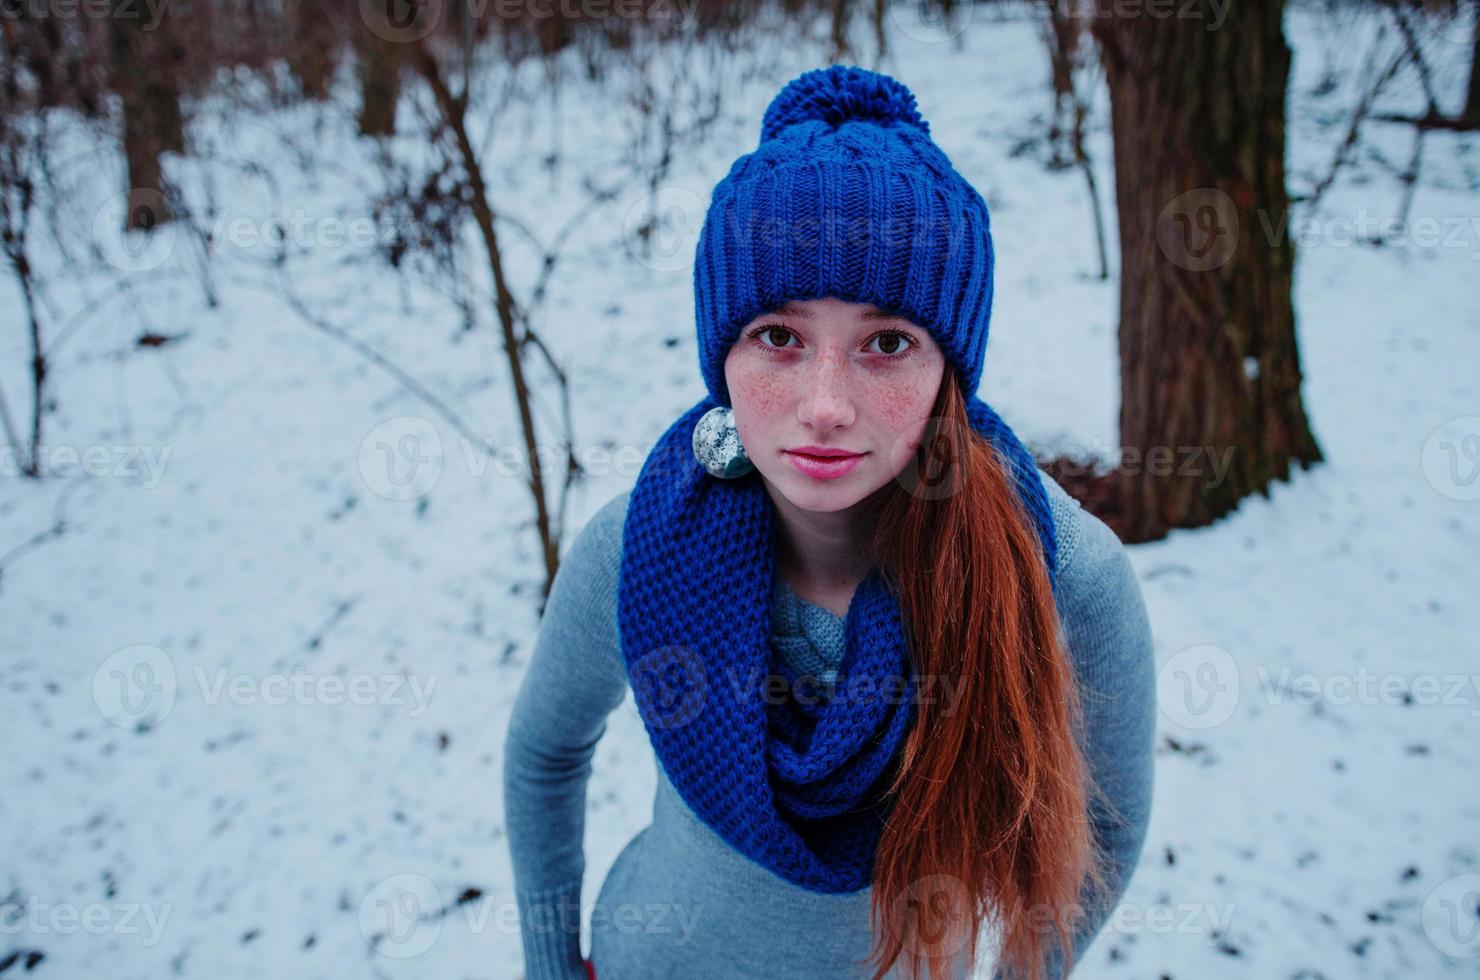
[679, 901]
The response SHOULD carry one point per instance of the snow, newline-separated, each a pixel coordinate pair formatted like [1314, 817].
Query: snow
[262, 638]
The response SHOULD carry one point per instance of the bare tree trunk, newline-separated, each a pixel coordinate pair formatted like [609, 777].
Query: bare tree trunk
[880, 11]
[380, 78]
[43, 59]
[18, 183]
[1210, 370]
[1061, 35]
[161, 89]
[313, 52]
[38, 373]
[1086, 167]
[148, 88]
[838, 12]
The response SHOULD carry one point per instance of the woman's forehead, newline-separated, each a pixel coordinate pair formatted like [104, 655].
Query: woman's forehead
[809, 309]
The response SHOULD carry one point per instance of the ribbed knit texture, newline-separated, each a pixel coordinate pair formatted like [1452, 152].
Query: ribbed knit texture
[808, 639]
[846, 196]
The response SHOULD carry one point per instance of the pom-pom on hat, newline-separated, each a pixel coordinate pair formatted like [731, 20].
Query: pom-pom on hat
[848, 196]
[841, 94]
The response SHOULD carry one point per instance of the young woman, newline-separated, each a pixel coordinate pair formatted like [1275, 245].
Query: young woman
[899, 685]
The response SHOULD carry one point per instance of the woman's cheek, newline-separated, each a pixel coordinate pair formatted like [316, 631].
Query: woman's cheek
[756, 398]
[902, 404]
[759, 392]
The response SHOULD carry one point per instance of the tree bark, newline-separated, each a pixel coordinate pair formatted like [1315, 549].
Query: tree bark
[1061, 30]
[1210, 369]
[381, 60]
[313, 52]
[145, 76]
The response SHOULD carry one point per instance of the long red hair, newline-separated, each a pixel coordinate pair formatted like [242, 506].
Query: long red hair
[989, 823]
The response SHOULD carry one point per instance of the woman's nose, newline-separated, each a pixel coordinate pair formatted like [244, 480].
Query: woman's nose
[827, 395]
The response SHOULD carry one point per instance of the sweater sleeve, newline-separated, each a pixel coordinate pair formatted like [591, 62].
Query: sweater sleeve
[575, 679]
[1109, 637]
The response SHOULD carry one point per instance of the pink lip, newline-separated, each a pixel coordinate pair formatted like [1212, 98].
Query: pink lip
[821, 463]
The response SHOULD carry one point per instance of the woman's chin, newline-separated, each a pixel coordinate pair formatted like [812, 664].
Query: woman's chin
[820, 496]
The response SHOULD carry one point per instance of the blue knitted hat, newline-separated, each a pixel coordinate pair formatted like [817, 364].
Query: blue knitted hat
[847, 196]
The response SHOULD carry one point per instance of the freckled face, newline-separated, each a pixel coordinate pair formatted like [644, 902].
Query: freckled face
[824, 376]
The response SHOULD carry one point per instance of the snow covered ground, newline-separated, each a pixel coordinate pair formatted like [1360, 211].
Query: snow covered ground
[260, 644]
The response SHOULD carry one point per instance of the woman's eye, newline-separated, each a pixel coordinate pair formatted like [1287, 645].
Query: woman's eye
[771, 332]
[892, 344]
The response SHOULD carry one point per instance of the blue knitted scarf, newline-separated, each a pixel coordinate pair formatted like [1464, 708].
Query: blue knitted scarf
[796, 784]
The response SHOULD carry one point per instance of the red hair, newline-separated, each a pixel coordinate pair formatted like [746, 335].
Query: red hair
[989, 823]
